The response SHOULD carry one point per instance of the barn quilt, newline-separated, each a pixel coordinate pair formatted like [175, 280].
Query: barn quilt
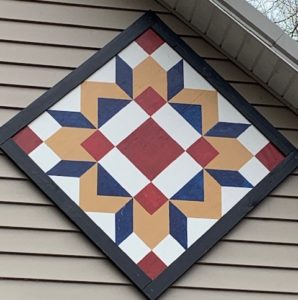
[151, 151]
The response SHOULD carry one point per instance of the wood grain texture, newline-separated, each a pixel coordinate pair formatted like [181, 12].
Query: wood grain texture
[100, 271]
[280, 117]
[74, 244]
[55, 34]
[19, 97]
[119, 4]
[79, 16]
[77, 291]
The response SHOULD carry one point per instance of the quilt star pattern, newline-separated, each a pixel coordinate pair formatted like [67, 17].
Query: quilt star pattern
[151, 152]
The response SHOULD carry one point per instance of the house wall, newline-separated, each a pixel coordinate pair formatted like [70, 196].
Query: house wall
[44, 256]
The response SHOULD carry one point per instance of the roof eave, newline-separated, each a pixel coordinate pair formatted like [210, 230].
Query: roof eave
[261, 47]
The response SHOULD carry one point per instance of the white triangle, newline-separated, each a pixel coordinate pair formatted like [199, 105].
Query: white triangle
[230, 196]
[193, 80]
[70, 186]
[227, 112]
[70, 102]
[107, 73]
[196, 227]
[106, 221]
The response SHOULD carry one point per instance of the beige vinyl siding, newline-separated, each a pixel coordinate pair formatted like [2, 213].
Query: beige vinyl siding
[42, 254]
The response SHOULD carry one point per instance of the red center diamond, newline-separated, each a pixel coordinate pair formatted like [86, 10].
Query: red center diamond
[97, 145]
[150, 149]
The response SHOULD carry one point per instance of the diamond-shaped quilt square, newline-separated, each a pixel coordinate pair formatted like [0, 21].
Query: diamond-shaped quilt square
[150, 148]
[149, 152]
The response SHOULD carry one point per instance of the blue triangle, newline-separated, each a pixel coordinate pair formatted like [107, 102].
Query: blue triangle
[107, 185]
[193, 190]
[175, 80]
[191, 113]
[178, 225]
[124, 222]
[107, 108]
[124, 76]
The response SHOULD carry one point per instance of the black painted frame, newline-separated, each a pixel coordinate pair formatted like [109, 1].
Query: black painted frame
[151, 288]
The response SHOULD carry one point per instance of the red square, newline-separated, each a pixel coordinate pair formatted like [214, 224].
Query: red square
[150, 149]
[151, 265]
[202, 151]
[97, 145]
[269, 156]
[149, 41]
[151, 198]
[150, 101]
[27, 140]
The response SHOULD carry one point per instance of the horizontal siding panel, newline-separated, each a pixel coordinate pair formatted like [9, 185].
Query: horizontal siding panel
[253, 254]
[176, 25]
[203, 48]
[255, 94]
[76, 244]
[8, 169]
[277, 208]
[68, 15]
[279, 117]
[240, 278]
[18, 97]
[34, 290]
[229, 71]
[80, 16]
[38, 217]
[5, 115]
[43, 55]
[121, 4]
[47, 242]
[99, 270]
[21, 191]
[265, 231]
[59, 268]
[31, 76]
[55, 34]
[288, 187]
[291, 135]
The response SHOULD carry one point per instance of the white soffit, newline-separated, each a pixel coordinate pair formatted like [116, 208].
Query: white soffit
[248, 37]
